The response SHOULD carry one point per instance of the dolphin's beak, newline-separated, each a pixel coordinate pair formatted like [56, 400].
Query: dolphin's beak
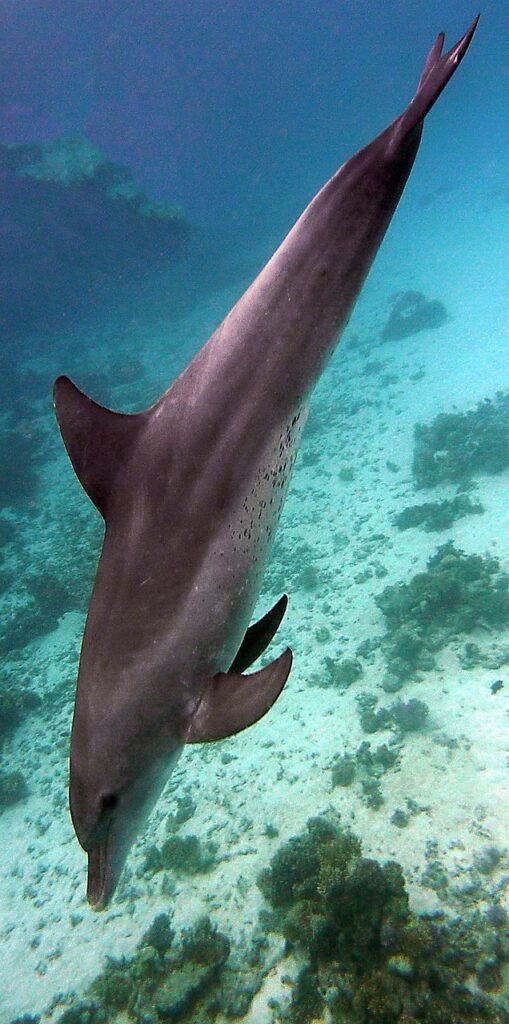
[101, 881]
[107, 844]
[106, 859]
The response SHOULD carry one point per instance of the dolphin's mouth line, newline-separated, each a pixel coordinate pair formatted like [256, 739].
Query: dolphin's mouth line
[98, 860]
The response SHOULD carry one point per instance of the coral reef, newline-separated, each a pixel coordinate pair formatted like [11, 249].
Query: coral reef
[340, 674]
[15, 703]
[412, 313]
[300, 869]
[437, 515]
[46, 600]
[191, 980]
[13, 788]
[21, 625]
[18, 463]
[59, 581]
[409, 716]
[160, 934]
[244, 972]
[367, 767]
[70, 222]
[365, 957]
[371, 720]
[404, 717]
[185, 855]
[162, 981]
[362, 956]
[64, 160]
[343, 770]
[7, 533]
[186, 808]
[456, 594]
[457, 445]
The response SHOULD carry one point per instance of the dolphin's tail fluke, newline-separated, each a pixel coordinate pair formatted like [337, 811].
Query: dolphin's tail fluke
[438, 69]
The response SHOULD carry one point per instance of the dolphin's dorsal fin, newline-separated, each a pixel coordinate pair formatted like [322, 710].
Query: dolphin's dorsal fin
[259, 636]
[97, 439]
[232, 701]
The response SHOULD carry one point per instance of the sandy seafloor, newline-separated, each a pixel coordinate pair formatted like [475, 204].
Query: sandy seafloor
[279, 771]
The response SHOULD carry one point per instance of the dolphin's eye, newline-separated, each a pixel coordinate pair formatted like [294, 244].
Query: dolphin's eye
[109, 802]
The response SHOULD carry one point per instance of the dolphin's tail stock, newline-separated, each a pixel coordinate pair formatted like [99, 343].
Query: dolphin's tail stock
[438, 69]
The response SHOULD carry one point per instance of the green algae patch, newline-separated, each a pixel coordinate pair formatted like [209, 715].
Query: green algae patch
[457, 594]
[339, 673]
[367, 767]
[434, 516]
[365, 957]
[15, 704]
[184, 855]
[194, 979]
[161, 982]
[412, 313]
[13, 788]
[457, 445]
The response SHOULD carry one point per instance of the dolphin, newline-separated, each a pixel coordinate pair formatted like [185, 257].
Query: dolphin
[191, 491]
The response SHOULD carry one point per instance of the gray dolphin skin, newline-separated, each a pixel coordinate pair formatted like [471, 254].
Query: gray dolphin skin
[191, 491]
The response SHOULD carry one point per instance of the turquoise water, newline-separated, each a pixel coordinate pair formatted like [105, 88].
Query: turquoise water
[393, 723]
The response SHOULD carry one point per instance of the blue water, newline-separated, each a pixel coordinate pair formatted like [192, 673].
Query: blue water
[234, 114]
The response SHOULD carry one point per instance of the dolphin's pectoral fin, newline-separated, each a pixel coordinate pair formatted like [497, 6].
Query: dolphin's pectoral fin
[231, 701]
[259, 636]
[96, 439]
